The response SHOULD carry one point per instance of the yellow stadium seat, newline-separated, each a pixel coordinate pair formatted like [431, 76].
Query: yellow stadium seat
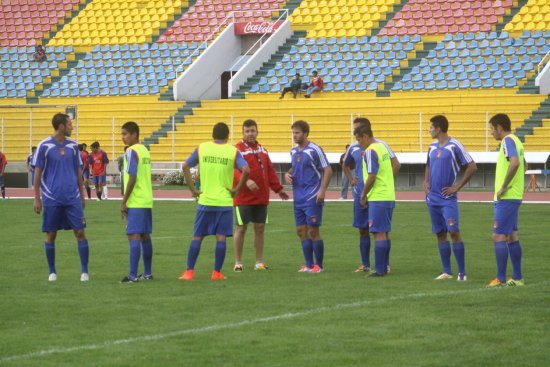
[547, 17]
[298, 19]
[361, 32]
[527, 18]
[524, 10]
[327, 18]
[541, 25]
[529, 26]
[339, 25]
[342, 3]
[334, 10]
[308, 19]
[324, 10]
[305, 11]
[336, 17]
[508, 27]
[346, 17]
[351, 32]
[297, 11]
[331, 33]
[317, 18]
[366, 17]
[321, 33]
[341, 33]
[534, 9]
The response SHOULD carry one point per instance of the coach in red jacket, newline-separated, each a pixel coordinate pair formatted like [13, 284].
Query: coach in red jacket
[251, 203]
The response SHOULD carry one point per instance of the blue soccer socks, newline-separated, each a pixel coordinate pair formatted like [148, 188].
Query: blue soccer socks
[380, 252]
[445, 254]
[319, 251]
[50, 256]
[194, 249]
[501, 252]
[147, 248]
[84, 252]
[364, 248]
[221, 247]
[387, 259]
[307, 248]
[458, 250]
[135, 254]
[515, 257]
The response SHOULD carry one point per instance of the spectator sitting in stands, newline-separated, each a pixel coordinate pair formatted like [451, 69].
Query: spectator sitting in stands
[39, 54]
[295, 86]
[316, 85]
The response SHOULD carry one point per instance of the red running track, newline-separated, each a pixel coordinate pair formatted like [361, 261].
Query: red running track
[542, 197]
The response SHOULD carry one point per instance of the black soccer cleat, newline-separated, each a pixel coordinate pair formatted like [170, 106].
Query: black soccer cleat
[374, 275]
[145, 277]
[129, 280]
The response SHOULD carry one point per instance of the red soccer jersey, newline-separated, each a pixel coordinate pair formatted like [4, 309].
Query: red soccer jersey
[263, 175]
[84, 155]
[98, 162]
[3, 161]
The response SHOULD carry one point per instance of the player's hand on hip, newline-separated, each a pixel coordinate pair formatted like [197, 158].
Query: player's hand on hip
[501, 191]
[252, 185]
[448, 191]
[37, 206]
[288, 178]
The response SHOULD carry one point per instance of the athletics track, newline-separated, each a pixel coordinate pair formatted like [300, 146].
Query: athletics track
[184, 194]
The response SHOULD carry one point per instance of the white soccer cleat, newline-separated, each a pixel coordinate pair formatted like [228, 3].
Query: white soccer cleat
[84, 277]
[52, 277]
[443, 276]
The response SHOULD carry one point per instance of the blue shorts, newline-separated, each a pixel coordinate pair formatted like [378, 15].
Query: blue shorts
[140, 220]
[506, 216]
[55, 218]
[444, 217]
[98, 179]
[2, 180]
[380, 214]
[214, 222]
[311, 215]
[86, 173]
[360, 215]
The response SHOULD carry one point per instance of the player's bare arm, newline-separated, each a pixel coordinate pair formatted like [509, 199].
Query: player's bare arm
[512, 169]
[427, 180]
[37, 200]
[252, 185]
[189, 180]
[395, 166]
[368, 186]
[288, 177]
[349, 175]
[327, 174]
[471, 168]
[127, 192]
[244, 177]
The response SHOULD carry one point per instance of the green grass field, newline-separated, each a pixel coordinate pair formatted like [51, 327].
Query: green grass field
[274, 318]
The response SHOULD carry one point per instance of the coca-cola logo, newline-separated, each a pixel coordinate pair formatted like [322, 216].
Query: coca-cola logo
[257, 27]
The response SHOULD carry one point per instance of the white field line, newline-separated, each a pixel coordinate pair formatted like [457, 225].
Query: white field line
[215, 327]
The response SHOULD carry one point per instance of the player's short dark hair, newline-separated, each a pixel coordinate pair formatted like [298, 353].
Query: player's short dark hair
[249, 123]
[363, 130]
[503, 120]
[441, 122]
[314, 72]
[362, 121]
[95, 144]
[59, 119]
[302, 125]
[84, 145]
[131, 127]
[33, 148]
[81, 147]
[220, 131]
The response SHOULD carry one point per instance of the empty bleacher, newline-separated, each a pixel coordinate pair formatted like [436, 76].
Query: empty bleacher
[533, 16]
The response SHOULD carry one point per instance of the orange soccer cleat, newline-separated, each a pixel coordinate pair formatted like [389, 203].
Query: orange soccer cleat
[188, 275]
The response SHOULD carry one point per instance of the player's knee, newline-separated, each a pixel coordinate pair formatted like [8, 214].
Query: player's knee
[442, 236]
[498, 237]
[455, 235]
[363, 232]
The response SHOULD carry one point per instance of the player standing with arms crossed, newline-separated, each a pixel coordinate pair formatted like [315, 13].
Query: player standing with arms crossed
[98, 161]
[137, 203]
[58, 175]
[251, 203]
[217, 161]
[509, 184]
[354, 156]
[445, 157]
[378, 195]
[309, 176]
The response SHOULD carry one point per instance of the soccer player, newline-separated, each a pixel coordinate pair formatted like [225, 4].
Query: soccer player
[137, 203]
[58, 175]
[378, 195]
[445, 157]
[509, 184]
[217, 161]
[251, 203]
[30, 168]
[86, 168]
[3, 163]
[354, 159]
[309, 176]
[98, 161]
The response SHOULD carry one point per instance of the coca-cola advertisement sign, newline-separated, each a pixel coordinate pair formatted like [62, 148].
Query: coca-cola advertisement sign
[257, 27]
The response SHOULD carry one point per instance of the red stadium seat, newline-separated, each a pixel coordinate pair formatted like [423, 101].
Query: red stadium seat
[474, 27]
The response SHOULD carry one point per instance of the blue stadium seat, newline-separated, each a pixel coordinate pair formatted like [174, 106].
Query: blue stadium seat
[442, 84]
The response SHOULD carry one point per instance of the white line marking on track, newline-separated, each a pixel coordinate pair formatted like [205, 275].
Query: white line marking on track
[285, 316]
